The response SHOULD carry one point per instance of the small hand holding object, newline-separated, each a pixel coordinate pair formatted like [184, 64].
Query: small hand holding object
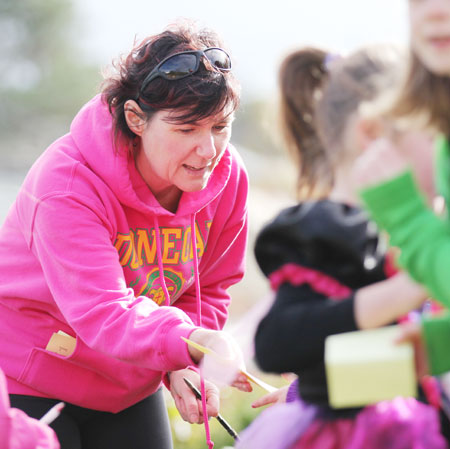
[220, 357]
[379, 162]
[226, 370]
[188, 405]
[412, 332]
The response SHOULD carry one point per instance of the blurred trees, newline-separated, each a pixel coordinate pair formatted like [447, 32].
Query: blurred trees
[43, 80]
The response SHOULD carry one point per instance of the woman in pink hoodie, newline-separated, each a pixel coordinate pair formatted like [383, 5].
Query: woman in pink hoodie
[124, 238]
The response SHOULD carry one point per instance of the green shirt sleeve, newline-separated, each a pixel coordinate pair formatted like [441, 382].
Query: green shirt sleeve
[436, 331]
[423, 238]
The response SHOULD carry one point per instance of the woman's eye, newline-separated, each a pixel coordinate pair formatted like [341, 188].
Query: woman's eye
[221, 127]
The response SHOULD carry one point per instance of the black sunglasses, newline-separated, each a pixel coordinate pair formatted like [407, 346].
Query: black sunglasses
[186, 63]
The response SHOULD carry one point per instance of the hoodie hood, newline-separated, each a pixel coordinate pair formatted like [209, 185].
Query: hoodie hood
[93, 134]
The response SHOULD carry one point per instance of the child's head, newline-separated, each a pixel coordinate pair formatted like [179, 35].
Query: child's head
[427, 88]
[320, 97]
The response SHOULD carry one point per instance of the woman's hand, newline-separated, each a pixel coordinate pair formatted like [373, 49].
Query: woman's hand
[225, 364]
[276, 397]
[188, 405]
[412, 332]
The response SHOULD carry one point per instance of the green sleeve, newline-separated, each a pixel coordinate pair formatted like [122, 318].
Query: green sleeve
[424, 239]
[436, 332]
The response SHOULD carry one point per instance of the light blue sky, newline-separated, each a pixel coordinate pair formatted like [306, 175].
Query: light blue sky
[258, 33]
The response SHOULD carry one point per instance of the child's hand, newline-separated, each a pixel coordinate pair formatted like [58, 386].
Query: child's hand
[241, 383]
[379, 162]
[223, 366]
[412, 332]
[188, 405]
[276, 397]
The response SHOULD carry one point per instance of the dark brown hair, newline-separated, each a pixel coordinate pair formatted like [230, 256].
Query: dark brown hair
[425, 95]
[196, 97]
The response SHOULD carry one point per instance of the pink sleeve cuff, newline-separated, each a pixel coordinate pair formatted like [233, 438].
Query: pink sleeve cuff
[176, 350]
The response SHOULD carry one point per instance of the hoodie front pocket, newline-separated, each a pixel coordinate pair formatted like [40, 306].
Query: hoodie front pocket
[87, 378]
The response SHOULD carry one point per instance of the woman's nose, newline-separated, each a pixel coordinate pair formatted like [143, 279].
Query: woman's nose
[207, 148]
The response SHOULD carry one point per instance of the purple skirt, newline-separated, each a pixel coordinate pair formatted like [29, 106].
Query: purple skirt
[401, 423]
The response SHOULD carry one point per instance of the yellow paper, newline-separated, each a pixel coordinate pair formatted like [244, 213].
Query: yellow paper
[365, 367]
[61, 343]
[199, 347]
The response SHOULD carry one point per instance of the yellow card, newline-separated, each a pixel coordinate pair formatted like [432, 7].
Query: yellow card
[61, 343]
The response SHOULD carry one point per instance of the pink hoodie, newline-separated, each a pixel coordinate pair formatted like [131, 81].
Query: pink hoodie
[18, 430]
[81, 251]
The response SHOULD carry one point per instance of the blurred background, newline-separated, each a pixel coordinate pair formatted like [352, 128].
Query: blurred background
[53, 52]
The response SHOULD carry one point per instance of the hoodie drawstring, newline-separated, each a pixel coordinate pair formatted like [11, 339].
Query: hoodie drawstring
[199, 323]
[199, 305]
[160, 263]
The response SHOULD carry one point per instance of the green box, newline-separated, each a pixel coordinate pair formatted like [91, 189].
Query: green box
[365, 367]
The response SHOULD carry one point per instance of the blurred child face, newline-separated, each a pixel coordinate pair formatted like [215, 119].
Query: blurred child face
[430, 33]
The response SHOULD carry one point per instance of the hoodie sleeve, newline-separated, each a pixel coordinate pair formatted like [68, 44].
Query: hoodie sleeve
[18, 430]
[72, 240]
[223, 263]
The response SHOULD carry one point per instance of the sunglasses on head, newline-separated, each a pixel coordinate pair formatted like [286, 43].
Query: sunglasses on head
[186, 63]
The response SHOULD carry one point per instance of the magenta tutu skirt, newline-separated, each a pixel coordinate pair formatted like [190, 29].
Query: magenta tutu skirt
[402, 423]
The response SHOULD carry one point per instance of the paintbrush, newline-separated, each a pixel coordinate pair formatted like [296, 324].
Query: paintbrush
[249, 376]
[219, 417]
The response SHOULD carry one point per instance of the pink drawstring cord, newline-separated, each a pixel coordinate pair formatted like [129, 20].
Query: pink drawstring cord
[199, 323]
[199, 306]
[159, 257]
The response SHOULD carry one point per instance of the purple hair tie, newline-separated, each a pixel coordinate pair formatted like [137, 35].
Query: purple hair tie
[330, 58]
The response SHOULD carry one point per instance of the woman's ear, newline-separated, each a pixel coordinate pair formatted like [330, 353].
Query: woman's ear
[134, 117]
[368, 130]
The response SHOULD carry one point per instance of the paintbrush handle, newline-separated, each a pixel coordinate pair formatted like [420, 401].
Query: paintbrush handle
[219, 417]
[227, 427]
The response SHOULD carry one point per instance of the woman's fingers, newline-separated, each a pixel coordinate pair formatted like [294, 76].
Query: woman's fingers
[186, 401]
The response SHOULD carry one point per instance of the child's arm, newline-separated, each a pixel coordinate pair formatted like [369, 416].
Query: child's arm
[292, 335]
[399, 207]
[383, 302]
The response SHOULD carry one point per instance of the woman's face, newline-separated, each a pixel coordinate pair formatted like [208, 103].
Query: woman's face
[182, 157]
[430, 33]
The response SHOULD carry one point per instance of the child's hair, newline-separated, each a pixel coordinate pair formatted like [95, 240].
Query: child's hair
[301, 76]
[319, 94]
[425, 95]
